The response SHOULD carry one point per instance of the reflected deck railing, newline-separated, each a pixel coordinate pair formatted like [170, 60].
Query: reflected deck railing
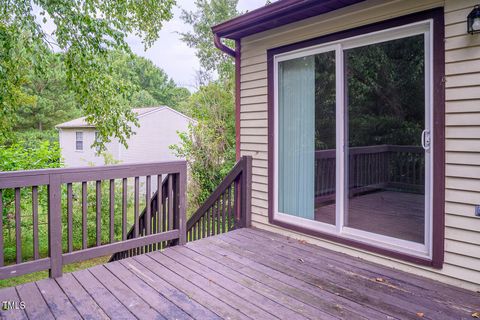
[394, 167]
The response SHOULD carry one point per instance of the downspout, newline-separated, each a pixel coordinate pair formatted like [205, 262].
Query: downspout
[234, 54]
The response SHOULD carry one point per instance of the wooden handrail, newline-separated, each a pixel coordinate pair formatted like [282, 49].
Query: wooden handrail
[228, 207]
[371, 168]
[60, 252]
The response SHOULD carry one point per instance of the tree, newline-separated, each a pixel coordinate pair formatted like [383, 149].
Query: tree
[154, 85]
[208, 14]
[85, 31]
[209, 146]
[54, 101]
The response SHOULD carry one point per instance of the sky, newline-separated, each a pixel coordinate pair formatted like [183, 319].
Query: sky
[170, 53]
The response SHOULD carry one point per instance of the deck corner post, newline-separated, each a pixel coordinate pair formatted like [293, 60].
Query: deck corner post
[246, 197]
[55, 225]
[182, 196]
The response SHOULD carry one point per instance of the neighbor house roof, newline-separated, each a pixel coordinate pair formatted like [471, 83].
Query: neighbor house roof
[82, 123]
[275, 15]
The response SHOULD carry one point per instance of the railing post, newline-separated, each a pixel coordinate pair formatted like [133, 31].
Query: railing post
[181, 218]
[55, 225]
[246, 192]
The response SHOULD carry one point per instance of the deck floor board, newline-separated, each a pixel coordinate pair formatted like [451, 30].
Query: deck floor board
[243, 274]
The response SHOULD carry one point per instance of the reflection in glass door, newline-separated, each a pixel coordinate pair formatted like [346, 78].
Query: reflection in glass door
[385, 123]
[353, 138]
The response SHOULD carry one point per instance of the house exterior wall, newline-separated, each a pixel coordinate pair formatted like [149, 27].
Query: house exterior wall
[86, 157]
[462, 107]
[157, 131]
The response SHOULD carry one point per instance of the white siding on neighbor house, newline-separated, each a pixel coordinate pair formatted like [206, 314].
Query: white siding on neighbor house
[462, 56]
[87, 156]
[157, 132]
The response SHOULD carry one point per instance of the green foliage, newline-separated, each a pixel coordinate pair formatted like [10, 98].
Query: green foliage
[86, 31]
[209, 146]
[208, 14]
[154, 85]
[386, 92]
[14, 69]
[54, 103]
[19, 157]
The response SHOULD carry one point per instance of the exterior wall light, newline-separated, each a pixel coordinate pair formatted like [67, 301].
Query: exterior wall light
[473, 20]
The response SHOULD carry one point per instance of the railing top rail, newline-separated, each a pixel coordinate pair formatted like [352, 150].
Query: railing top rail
[371, 149]
[27, 178]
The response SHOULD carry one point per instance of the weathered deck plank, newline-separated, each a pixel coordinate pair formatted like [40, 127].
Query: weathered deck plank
[162, 305]
[11, 295]
[222, 309]
[340, 284]
[245, 288]
[192, 307]
[243, 274]
[57, 301]
[453, 297]
[221, 293]
[35, 305]
[83, 302]
[292, 286]
[125, 295]
[104, 298]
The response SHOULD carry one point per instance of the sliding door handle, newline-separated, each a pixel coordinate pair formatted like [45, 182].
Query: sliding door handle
[426, 139]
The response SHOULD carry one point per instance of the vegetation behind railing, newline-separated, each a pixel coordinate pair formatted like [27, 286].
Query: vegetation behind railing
[228, 207]
[76, 214]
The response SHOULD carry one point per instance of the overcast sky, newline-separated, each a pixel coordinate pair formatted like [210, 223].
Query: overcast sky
[171, 54]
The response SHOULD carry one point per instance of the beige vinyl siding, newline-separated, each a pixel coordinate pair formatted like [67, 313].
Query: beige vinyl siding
[462, 56]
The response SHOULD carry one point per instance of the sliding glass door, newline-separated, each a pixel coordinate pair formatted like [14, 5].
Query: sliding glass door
[353, 138]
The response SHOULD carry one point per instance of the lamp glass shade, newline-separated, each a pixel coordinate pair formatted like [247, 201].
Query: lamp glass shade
[473, 20]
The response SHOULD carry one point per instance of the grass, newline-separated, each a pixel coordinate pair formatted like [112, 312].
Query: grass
[44, 274]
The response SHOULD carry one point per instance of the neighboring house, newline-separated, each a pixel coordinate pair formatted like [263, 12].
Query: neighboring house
[158, 129]
[363, 120]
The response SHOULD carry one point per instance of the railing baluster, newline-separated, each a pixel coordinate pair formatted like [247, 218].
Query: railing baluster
[124, 209]
[170, 202]
[1, 228]
[69, 218]
[148, 216]
[217, 218]
[159, 206]
[36, 254]
[207, 221]
[112, 210]
[135, 207]
[18, 227]
[98, 207]
[84, 215]
[229, 209]
[223, 212]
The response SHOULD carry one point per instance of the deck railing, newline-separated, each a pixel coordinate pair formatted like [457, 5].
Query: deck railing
[384, 166]
[227, 207]
[58, 189]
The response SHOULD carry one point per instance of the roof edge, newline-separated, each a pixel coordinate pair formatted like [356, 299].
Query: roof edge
[275, 15]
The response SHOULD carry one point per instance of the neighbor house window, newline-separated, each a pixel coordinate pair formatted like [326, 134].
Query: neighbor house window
[79, 141]
[353, 138]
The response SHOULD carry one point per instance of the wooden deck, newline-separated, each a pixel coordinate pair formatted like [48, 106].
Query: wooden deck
[243, 274]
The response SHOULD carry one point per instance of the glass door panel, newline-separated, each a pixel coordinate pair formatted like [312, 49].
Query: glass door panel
[385, 121]
[306, 137]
